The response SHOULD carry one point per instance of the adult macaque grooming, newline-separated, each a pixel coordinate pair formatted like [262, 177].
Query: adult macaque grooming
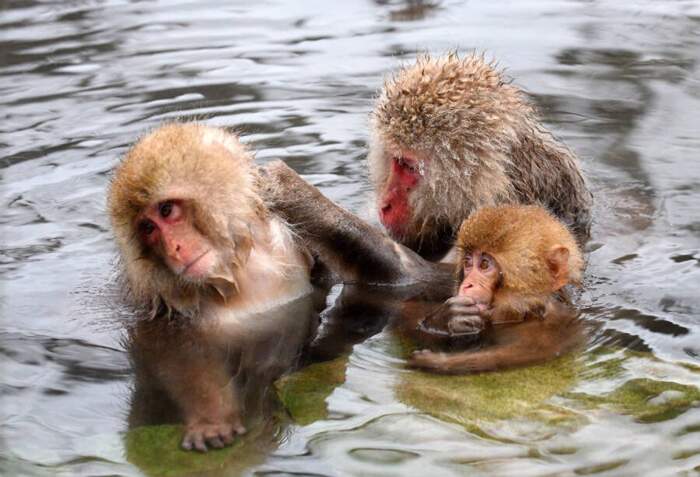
[202, 255]
[205, 258]
[450, 135]
[513, 264]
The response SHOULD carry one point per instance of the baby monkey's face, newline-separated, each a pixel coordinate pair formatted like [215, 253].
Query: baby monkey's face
[479, 277]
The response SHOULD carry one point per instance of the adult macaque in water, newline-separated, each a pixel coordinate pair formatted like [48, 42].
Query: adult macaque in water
[512, 304]
[513, 264]
[450, 135]
[204, 257]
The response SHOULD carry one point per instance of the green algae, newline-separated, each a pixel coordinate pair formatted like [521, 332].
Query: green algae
[469, 399]
[647, 400]
[156, 451]
[304, 393]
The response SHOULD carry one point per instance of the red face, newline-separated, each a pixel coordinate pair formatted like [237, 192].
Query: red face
[166, 229]
[481, 277]
[394, 206]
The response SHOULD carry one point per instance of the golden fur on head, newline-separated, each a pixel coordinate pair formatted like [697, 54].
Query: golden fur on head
[204, 166]
[520, 238]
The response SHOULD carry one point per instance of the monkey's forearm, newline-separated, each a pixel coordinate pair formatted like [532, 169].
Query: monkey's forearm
[195, 374]
[353, 249]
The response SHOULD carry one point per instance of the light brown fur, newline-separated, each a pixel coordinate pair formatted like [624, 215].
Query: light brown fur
[200, 321]
[207, 167]
[530, 318]
[520, 237]
[479, 142]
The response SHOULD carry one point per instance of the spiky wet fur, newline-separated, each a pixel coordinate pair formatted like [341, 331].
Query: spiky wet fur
[480, 141]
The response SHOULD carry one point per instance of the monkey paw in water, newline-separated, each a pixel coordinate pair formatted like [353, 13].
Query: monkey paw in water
[459, 320]
[203, 433]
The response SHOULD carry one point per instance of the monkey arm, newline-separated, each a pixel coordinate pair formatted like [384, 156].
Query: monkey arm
[195, 374]
[519, 343]
[354, 250]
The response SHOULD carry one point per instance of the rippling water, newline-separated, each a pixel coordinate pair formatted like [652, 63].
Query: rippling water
[80, 80]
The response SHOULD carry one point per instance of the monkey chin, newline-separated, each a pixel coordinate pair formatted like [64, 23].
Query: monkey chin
[201, 266]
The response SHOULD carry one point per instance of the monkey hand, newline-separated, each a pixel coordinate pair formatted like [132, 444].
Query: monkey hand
[466, 317]
[203, 432]
[460, 316]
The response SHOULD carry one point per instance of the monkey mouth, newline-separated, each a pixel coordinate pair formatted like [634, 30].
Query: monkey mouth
[194, 262]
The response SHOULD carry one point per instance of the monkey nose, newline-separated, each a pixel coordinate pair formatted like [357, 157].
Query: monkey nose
[172, 249]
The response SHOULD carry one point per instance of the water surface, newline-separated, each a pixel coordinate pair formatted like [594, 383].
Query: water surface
[81, 80]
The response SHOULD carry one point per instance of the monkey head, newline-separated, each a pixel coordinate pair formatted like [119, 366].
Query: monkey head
[180, 204]
[515, 251]
[441, 129]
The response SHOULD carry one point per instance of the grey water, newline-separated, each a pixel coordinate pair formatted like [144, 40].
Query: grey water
[619, 82]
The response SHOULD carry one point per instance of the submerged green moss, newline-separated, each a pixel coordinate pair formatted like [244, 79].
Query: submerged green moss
[304, 393]
[545, 393]
[646, 399]
[491, 396]
[156, 451]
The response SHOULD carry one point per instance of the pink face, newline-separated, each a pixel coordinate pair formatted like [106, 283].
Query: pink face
[166, 229]
[394, 205]
[481, 277]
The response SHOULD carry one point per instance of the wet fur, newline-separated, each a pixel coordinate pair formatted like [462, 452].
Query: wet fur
[481, 143]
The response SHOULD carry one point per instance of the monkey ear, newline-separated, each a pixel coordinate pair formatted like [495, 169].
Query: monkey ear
[558, 263]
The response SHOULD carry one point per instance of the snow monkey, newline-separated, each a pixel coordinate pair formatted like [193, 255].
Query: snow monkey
[196, 243]
[203, 257]
[513, 264]
[509, 300]
[450, 135]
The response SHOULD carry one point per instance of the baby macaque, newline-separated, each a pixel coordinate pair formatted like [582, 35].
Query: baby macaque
[514, 262]
[450, 135]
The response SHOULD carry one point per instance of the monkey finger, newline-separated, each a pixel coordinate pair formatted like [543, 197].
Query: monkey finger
[216, 442]
[199, 444]
[227, 437]
[466, 324]
[461, 300]
[425, 359]
[464, 310]
[194, 440]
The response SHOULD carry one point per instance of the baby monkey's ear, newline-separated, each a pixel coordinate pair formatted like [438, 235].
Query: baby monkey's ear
[558, 262]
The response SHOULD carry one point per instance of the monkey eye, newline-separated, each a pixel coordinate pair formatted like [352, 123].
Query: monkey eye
[171, 210]
[146, 227]
[165, 209]
[486, 262]
[468, 261]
